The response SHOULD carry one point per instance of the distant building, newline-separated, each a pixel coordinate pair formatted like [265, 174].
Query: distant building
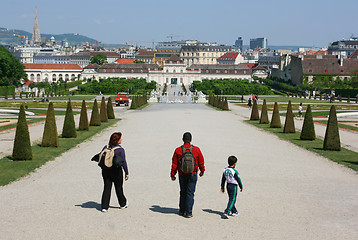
[258, 43]
[239, 43]
[165, 50]
[145, 56]
[343, 47]
[230, 58]
[269, 60]
[38, 72]
[83, 58]
[36, 37]
[125, 60]
[203, 53]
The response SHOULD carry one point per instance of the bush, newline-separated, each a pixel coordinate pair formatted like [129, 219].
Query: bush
[264, 115]
[69, 126]
[83, 126]
[331, 139]
[255, 112]
[95, 118]
[22, 145]
[308, 132]
[289, 122]
[275, 121]
[50, 137]
[103, 111]
[110, 111]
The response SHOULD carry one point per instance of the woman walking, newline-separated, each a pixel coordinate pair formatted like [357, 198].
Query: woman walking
[115, 174]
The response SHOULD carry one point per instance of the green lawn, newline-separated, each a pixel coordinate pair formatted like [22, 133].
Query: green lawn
[345, 157]
[341, 125]
[319, 113]
[2, 128]
[31, 105]
[13, 170]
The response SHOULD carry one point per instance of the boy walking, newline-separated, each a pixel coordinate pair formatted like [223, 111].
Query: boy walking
[231, 176]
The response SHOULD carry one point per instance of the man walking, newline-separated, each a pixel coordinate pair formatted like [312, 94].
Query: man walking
[187, 160]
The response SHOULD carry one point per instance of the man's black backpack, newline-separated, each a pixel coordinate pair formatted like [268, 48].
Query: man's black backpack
[187, 161]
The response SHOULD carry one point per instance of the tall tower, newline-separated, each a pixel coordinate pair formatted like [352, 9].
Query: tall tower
[36, 37]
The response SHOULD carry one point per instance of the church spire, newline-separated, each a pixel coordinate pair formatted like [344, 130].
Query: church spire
[36, 37]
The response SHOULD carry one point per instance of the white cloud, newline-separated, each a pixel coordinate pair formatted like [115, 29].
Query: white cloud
[24, 16]
[97, 21]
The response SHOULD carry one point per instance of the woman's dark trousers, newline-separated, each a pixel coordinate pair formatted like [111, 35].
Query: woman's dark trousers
[113, 176]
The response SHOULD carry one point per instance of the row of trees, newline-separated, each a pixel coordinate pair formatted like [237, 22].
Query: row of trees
[110, 85]
[138, 101]
[22, 145]
[219, 102]
[11, 70]
[230, 87]
[331, 139]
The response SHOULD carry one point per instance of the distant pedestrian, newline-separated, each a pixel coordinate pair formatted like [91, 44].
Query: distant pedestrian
[300, 109]
[242, 98]
[115, 174]
[249, 103]
[187, 160]
[232, 177]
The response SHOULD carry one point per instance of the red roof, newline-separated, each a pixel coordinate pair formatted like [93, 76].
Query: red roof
[250, 65]
[125, 60]
[28, 82]
[231, 56]
[57, 66]
[320, 52]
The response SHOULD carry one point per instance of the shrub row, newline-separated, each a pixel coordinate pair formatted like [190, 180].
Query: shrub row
[219, 102]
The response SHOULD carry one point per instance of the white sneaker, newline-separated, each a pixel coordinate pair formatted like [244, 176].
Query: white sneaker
[235, 214]
[104, 210]
[226, 216]
[125, 206]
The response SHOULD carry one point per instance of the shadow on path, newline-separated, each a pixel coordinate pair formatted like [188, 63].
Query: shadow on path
[91, 204]
[221, 214]
[164, 210]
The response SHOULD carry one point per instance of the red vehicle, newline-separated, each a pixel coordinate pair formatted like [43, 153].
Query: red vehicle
[122, 98]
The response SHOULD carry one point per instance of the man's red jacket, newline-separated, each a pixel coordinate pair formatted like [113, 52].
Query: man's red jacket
[199, 160]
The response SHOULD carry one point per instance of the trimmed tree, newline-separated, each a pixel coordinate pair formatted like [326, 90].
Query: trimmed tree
[103, 111]
[134, 103]
[50, 137]
[331, 139]
[289, 122]
[255, 112]
[69, 126]
[226, 105]
[22, 145]
[264, 116]
[308, 132]
[83, 126]
[110, 111]
[95, 119]
[275, 121]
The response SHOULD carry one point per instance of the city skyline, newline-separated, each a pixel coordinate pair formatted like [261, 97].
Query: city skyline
[309, 24]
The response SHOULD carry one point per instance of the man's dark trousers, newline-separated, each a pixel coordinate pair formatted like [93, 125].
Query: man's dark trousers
[187, 189]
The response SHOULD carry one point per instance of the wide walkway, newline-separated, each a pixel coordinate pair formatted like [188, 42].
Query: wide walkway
[289, 193]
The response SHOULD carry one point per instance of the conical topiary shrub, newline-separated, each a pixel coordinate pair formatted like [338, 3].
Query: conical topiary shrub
[22, 145]
[308, 132]
[95, 119]
[110, 111]
[331, 139]
[275, 121]
[134, 103]
[349, 99]
[50, 137]
[226, 105]
[103, 111]
[13, 95]
[289, 122]
[264, 116]
[255, 112]
[69, 126]
[83, 126]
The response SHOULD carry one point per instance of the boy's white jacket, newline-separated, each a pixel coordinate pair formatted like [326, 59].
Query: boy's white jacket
[229, 174]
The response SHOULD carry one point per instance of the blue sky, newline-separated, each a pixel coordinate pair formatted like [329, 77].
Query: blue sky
[283, 22]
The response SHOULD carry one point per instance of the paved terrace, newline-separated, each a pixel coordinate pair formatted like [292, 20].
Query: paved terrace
[289, 193]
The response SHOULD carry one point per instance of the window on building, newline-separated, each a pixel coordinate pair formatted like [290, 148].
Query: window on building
[67, 77]
[54, 77]
[38, 77]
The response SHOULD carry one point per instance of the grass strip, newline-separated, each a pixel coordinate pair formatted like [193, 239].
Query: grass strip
[345, 157]
[340, 125]
[13, 170]
[10, 126]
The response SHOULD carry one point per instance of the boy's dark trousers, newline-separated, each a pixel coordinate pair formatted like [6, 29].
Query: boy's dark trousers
[232, 192]
[113, 176]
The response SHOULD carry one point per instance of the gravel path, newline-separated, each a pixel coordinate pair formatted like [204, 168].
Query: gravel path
[289, 193]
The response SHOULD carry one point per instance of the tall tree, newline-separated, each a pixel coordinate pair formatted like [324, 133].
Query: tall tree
[11, 70]
[99, 59]
[22, 144]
